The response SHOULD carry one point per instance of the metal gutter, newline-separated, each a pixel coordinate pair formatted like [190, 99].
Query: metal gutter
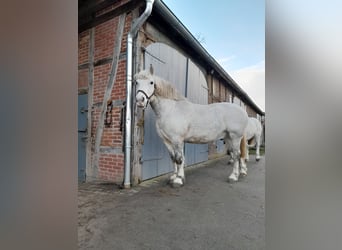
[129, 61]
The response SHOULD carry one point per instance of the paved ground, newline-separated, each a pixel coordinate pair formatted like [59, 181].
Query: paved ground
[207, 213]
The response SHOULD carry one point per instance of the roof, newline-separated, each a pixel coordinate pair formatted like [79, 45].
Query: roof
[163, 16]
[164, 19]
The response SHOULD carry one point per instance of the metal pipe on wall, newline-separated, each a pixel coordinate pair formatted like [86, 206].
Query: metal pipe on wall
[129, 60]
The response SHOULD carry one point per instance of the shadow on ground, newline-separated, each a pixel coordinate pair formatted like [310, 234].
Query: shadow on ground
[207, 213]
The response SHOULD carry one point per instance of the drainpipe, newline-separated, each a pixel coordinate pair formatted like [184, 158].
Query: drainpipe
[129, 61]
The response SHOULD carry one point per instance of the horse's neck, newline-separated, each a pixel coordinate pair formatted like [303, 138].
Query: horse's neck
[159, 105]
[154, 104]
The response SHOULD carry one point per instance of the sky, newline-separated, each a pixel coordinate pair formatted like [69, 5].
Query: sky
[233, 32]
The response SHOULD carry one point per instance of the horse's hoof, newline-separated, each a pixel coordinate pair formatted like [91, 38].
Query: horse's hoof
[172, 178]
[257, 159]
[232, 179]
[176, 185]
[243, 172]
[243, 175]
[177, 182]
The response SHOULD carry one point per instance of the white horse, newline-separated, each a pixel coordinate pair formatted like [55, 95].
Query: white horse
[178, 121]
[253, 133]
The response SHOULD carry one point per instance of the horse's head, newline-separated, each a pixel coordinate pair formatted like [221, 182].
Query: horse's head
[145, 86]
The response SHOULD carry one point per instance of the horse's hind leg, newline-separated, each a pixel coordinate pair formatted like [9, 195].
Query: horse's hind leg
[257, 154]
[247, 152]
[243, 150]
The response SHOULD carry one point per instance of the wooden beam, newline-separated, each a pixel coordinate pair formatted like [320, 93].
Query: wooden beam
[91, 20]
[83, 66]
[92, 6]
[103, 61]
[100, 61]
[108, 91]
[90, 171]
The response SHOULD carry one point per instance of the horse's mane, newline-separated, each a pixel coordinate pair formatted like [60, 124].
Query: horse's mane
[162, 87]
[166, 90]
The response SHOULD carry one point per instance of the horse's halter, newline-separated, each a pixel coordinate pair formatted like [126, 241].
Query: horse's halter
[147, 97]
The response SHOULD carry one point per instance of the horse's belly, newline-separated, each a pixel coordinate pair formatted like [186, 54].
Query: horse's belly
[199, 139]
[203, 134]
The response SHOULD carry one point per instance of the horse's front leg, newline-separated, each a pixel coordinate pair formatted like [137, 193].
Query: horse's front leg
[179, 179]
[234, 176]
[174, 175]
[237, 145]
[231, 160]
[229, 151]
[171, 150]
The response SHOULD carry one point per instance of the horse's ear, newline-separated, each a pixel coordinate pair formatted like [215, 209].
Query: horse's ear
[151, 69]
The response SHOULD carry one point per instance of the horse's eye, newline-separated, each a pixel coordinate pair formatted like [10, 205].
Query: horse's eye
[151, 83]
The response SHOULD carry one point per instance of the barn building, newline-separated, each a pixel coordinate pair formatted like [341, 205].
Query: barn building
[118, 38]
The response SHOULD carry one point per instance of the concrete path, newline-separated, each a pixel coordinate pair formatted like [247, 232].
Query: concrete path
[207, 213]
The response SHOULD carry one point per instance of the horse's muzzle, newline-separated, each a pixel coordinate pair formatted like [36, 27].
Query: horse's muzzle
[142, 99]
[140, 104]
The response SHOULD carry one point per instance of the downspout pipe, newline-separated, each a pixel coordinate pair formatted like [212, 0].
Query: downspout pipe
[129, 71]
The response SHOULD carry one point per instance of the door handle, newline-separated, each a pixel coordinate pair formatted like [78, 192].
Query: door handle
[82, 110]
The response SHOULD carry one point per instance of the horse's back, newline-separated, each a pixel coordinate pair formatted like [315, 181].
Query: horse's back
[232, 115]
[257, 125]
[198, 123]
[253, 128]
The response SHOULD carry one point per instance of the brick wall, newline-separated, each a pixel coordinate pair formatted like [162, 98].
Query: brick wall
[83, 47]
[251, 112]
[216, 90]
[111, 161]
[222, 92]
[110, 167]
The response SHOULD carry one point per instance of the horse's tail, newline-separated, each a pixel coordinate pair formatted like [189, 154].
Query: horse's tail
[243, 145]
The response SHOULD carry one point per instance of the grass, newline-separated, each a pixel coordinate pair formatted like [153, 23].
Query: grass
[252, 151]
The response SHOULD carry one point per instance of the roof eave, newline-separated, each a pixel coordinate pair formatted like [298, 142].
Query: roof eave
[174, 23]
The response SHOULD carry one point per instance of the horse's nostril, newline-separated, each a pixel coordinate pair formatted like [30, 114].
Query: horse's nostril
[142, 99]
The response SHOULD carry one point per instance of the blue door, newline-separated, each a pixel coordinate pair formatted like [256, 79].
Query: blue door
[166, 61]
[197, 92]
[188, 79]
[82, 135]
